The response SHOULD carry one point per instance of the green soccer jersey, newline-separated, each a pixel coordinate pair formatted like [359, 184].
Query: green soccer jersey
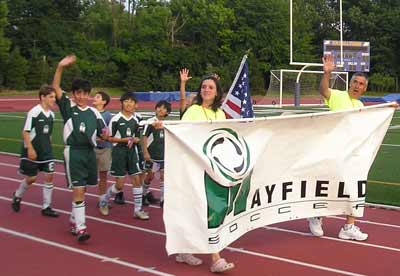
[39, 124]
[81, 125]
[123, 127]
[155, 141]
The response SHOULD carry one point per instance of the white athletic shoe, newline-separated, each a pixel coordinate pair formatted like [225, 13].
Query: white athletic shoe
[103, 208]
[315, 225]
[352, 233]
[141, 215]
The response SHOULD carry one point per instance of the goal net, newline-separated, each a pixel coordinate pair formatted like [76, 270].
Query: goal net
[282, 87]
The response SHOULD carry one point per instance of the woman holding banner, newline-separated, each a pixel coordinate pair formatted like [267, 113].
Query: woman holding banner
[206, 106]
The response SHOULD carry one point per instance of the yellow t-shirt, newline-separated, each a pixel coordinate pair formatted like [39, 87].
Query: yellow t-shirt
[198, 113]
[340, 100]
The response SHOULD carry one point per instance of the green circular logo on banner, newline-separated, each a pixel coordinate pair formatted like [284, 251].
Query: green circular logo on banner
[229, 156]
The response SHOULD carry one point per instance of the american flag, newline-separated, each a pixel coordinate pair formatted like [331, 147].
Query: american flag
[237, 103]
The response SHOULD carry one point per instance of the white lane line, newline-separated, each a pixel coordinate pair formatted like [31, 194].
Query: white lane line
[83, 252]
[70, 191]
[228, 248]
[370, 222]
[333, 239]
[93, 218]
[325, 268]
[240, 250]
[391, 145]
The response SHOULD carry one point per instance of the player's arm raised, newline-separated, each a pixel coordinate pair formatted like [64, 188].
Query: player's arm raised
[65, 62]
[329, 66]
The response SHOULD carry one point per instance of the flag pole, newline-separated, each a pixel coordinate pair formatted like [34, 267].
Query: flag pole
[235, 80]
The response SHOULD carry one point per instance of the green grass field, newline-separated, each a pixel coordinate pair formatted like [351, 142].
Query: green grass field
[383, 180]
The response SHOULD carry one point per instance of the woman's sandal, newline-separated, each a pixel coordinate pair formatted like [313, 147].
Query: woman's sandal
[188, 259]
[221, 265]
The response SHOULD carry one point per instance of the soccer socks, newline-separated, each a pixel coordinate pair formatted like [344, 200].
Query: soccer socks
[137, 198]
[161, 190]
[78, 214]
[347, 226]
[112, 190]
[21, 189]
[47, 194]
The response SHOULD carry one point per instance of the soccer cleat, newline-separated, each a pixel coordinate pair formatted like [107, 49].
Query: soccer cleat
[82, 235]
[119, 198]
[315, 225]
[103, 208]
[16, 203]
[352, 233]
[141, 215]
[48, 212]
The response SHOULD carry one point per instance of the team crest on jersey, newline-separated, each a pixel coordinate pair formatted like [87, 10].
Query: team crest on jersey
[46, 129]
[82, 127]
[128, 132]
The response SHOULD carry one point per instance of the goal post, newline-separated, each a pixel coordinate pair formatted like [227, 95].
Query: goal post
[281, 91]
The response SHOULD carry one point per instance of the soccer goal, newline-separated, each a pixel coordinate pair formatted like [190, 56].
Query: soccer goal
[281, 89]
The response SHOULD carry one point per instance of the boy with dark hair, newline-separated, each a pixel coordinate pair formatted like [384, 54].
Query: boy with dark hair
[153, 150]
[81, 126]
[124, 134]
[36, 154]
[103, 148]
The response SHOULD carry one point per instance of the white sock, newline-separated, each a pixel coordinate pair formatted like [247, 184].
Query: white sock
[22, 189]
[47, 193]
[112, 190]
[347, 226]
[78, 212]
[161, 190]
[137, 198]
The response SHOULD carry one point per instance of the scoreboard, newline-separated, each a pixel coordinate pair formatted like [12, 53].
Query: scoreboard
[356, 55]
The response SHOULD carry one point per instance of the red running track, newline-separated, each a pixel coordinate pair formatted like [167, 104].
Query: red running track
[120, 245]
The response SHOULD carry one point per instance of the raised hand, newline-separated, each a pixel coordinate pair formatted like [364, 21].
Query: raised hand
[184, 74]
[67, 61]
[329, 64]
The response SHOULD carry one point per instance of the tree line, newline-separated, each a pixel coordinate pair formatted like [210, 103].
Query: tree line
[141, 45]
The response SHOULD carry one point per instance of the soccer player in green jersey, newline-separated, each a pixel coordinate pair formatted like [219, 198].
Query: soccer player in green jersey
[82, 124]
[37, 154]
[340, 100]
[124, 134]
[153, 150]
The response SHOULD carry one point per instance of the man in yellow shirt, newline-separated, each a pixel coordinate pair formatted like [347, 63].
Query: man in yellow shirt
[340, 100]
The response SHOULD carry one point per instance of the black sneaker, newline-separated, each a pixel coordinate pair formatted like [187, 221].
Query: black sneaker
[82, 235]
[119, 198]
[145, 201]
[151, 199]
[48, 212]
[16, 203]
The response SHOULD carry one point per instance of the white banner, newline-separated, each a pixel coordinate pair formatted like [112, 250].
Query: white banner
[225, 178]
